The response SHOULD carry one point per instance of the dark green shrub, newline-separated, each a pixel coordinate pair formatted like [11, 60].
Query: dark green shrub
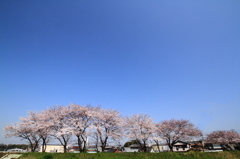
[47, 156]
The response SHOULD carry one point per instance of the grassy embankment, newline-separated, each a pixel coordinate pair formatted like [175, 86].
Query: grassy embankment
[163, 155]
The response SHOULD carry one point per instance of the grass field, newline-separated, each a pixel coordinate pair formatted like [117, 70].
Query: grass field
[162, 155]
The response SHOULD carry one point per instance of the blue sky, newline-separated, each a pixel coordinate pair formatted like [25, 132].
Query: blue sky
[169, 59]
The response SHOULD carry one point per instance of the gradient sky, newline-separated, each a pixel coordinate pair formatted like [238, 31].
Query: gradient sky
[170, 59]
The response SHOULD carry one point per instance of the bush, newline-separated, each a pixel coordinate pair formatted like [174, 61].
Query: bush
[47, 156]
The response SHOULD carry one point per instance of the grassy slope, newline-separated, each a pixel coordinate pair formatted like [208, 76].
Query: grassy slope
[163, 155]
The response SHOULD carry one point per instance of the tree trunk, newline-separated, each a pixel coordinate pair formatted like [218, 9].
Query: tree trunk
[84, 149]
[170, 147]
[79, 144]
[157, 146]
[84, 146]
[35, 146]
[65, 148]
[63, 143]
[170, 144]
[103, 143]
[141, 146]
[44, 145]
[144, 146]
[31, 145]
[103, 146]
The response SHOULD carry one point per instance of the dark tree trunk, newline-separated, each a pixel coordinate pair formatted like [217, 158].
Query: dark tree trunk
[170, 147]
[170, 144]
[44, 145]
[65, 148]
[103, 146]
[63, 143]
[84, 146]
[157, 146]
[33, 146]
[103, 143]
[84, 149]
[144, 146]
[79, 144]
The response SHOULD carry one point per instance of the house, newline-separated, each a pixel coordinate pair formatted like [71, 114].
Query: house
[196, 145]
[180, 146]
[215, 147]
[210, 147]
[160, 147]
[109, 149]
[74, 149]
[113, 150]
[93, 148]
[16, 150]
[136, 148]
[53, 148]
[132, 148]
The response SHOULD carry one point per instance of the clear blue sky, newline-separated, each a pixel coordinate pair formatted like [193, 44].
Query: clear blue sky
[170, 59]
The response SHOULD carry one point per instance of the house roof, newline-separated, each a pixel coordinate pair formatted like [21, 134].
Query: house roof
[134, 145]
[54, 145]
[161, 144]
[15, 149]
[137, 145]
[179, 143]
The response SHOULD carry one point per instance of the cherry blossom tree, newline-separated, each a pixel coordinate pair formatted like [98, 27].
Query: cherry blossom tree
[108, 125]
[174, 130]
[41, 122]
[23, 130]
[223, 137]
[59, 119]
[140, 127]
[81, 118]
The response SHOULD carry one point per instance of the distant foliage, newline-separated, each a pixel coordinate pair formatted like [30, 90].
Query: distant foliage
[12, 146]
[127, 144]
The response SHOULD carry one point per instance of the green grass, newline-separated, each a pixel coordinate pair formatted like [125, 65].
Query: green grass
[162, 155]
